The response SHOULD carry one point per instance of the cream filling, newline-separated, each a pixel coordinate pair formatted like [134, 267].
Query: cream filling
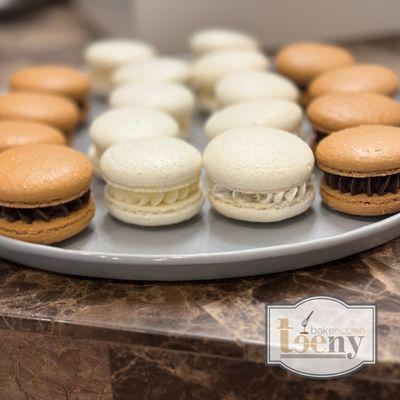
[267, 199]
[152, 198]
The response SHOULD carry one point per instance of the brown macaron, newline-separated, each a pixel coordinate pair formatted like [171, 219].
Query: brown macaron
[361, 170]
[333, 112]
[44, 193]
[49, 109]
[18, 133]
[54, 79]
[356, 78]
[303, 61]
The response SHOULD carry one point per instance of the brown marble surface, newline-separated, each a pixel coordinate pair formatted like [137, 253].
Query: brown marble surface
[72, 338]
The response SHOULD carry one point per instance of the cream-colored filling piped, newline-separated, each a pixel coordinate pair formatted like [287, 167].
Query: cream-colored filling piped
[152, 199]
[272, 198]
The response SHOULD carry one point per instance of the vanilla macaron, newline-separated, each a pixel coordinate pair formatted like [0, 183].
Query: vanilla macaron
[259, 174]
[173, 98]
[105, 56]
[273, 113]
[254, 85]
[159, 69]
[209, 40]
[127, 123]
[153, 181]
[209, 69]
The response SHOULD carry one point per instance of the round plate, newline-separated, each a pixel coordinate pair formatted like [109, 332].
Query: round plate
[209, 246]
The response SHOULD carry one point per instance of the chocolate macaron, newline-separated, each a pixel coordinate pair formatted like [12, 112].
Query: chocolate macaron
[49, 109]
[361, 170]
[356, 78]
[44, 193]
[18, 133]
[55, 79]
[337, 111]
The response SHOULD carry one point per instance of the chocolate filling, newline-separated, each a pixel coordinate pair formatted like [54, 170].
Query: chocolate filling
[28, 215]
[379, 185]
[320, 136]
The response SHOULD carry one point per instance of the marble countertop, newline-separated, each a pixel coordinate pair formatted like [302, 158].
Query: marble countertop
[220, 323]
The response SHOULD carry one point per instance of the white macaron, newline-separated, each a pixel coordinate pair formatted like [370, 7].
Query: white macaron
[209, 69]
[209, 40]
[124, 124]
[173, 98]
[153, 181]
[281, 114]
[159, 69]
[254, 85]
[259, 174]
[105, 56]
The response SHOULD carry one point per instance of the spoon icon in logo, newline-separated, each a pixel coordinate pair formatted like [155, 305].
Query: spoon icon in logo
[304, 324]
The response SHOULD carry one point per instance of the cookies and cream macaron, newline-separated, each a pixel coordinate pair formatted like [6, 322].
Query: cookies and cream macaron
[15, 133]
[254, 85]
[356, 78]
[105, 56]
[214, 39]
[281, 114]
[49, 109]
[44, 193]
[303, 61]
[333, 112]
[55, 79]
[153, 181]
[259, 174]
[173, 98]
[361, 170]
[127, 123]
[209, 69]
[159, 69]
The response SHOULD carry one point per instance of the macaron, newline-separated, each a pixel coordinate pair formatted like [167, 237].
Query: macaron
[209, 40]
[273, 113]
[44, 193]
[259, 174]
[356, 78]
[303, 61]
[361, 168]
[105, 56]
[127, 123]
[209, 69]
[173, 98]
[160, 69]
[55, 79]
[254, 85]
[337, 111]
[153, 181]
[49, 109]
[18, 133]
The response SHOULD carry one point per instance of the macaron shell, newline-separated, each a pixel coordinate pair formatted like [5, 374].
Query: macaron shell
[360, 204]
[361, 152]
[42, 175]
[333, 112]
[356, 78]
[54, 79]
[54, 231]
[17, 133]
[49, 109]
[304, 60]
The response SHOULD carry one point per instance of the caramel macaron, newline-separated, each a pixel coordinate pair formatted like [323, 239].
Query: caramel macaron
[337, 111]
[49, 109]
[356, 78]
[361, 170]
[55, 79]
[18, 133]
[44, 193]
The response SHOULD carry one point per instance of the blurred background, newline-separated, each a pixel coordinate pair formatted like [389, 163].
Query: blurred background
[46, 30]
